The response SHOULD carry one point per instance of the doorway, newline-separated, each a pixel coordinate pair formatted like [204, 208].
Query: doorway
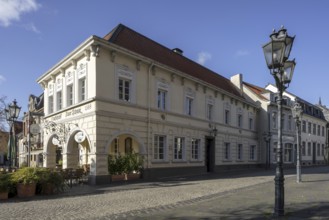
[210, 154]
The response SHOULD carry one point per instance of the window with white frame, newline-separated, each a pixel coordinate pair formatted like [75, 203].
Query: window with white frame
[69, 95]
[162, 98]
[82, 89]
[51, 104]
[159, 147]
[50, 98]
[209, 111]
[251, 121]
[303, 148]
[309, 127]
[239, 152]
[124, 89]
[227, 151]
[318, 150]
[82, 82]
[227, 113]
[252, 152]
[195, 149]
[239, 118]
[189, 105]
[69, 88]
[59, 100]
[314, 129]
[179, 148]
[319, 131]
[59, 86]
[209, 108]
[304, 126]
[189, 101]
[309, 149]
[323, 131]
[289, 122]
[274, 120]
[322, 150]
[288, 152]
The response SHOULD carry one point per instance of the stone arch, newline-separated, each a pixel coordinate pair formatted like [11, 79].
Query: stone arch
[114, 135]
[52, 152]
[76, 154]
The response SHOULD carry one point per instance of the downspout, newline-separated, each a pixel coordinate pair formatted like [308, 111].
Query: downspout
[149, 112]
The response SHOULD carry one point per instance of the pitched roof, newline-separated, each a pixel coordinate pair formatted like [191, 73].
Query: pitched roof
[133, 41]
[259, 91]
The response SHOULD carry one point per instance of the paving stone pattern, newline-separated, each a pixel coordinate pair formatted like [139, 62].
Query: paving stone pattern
[142, 199]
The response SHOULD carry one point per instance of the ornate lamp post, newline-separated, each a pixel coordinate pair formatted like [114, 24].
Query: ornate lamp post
[297, 113]
[12, 113]
[276, 53]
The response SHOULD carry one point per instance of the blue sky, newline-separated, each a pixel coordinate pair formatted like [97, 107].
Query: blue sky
[225, 36]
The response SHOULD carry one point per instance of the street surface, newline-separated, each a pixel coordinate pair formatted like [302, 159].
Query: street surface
[211, 196]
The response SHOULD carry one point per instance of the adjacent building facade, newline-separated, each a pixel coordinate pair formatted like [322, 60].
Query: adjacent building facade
[313, 126]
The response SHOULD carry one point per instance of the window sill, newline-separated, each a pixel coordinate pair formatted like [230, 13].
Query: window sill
[160, 161]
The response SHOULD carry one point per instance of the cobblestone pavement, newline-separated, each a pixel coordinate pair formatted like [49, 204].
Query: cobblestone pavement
[168, 199]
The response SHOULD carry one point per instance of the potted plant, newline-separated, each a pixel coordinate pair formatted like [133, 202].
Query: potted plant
[50, 181]
[134, 166]
[116, 168]
[25, 180]
[5, 183]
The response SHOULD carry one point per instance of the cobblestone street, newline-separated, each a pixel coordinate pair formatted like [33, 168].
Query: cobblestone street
[233, 196]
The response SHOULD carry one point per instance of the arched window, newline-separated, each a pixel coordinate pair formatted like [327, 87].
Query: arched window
[128, 145]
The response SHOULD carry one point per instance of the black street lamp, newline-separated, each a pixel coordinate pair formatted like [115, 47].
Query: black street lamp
[12, 113]
[297, 113]
[276, 53]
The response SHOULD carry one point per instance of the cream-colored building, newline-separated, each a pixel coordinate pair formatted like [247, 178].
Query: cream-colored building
[125, 92]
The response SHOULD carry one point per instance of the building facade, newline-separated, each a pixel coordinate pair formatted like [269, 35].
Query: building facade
[126, 93]
[313, 126]
[31, 141]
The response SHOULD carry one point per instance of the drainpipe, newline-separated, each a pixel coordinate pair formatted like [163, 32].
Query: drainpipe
[148, 112]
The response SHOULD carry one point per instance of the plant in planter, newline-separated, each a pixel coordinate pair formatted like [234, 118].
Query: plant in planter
[117, 167]
[5, 183]
[134, 166]
[50, 181]
[25, 180]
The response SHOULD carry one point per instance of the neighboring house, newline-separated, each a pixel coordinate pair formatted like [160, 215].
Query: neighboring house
[268, 127]
[313, 126]
[127, 93]
[4, 137]
[31, 142]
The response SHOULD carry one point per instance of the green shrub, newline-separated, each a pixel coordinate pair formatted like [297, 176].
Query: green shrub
[5, 182]
[128, 163]
[26, 175]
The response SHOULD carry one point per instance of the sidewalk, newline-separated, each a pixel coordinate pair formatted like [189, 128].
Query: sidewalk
[306, 200]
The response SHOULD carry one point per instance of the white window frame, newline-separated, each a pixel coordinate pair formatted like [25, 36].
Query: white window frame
[253, 152]
[239, 152]
[179, 148]
[159, 145]
[162, 99]
[125, 74]
[195, 149]
[227, 151]
[82, 86]
[239, 118]
[210, 108]
[274, 120]
[123, 89]
[59, 100]
[50, 104]
[288, 153]
[69, 95]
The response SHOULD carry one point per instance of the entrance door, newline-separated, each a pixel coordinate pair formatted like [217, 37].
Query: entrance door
[210, 154]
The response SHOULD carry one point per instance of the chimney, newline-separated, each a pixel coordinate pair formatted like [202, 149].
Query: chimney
[238, 82]
[178, 51]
